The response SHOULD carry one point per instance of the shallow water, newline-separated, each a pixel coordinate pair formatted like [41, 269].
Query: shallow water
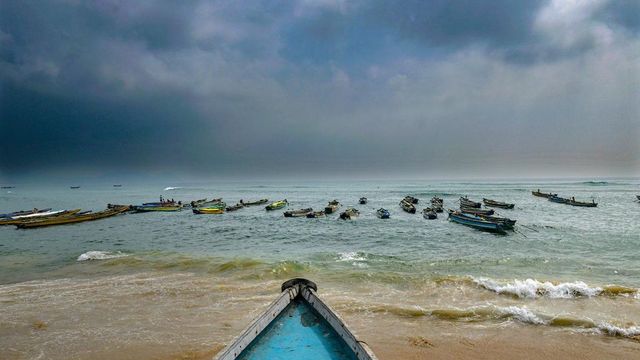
[193, 281]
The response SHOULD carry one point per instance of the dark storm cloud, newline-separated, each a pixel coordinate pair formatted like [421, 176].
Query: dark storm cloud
[318, 86]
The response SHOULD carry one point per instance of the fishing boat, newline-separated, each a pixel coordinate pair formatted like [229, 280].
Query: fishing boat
[23, 212]
[277, 205]
[251, 203]
[498, 204]
[315, 214]
[479, 224]
[558, 199]
[638, 197]
[437, 204]
[234, 207]
[215, 203]
[297, 325]
[196, 203]
[298, 213]
[574, 202]
[408, 207]
[464, 201]
[332, 207]
[410, 199]
[349, 214]
[38, 216]
[73, 218]
[476, 211]
[7, 187]
[383, 213]
[74, 187]
[363, 200]
[166, 207]
[544, 195]
[429, 213]
[506, 222]
[117, 185]
[208, 210]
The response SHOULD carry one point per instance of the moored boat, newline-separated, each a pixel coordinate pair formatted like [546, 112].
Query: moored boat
[429, 213]
[251, 203]
[437, 204]
[383, 213]
[73, 218]
[117, 185]
[464, 201]
[558, 199]
[40, 216]
[297, 325]
[363, 200]
[407, 206]
[315, 214]
[332, 207]
[234, 207]
[208, 210]
[506, 222]
[277, 205]
[23, 212]
[159, 208]
[479, 224]
[476, 211]
[349, 214]
[410, 199]
[538, 193]
[498, 204]
[74, 187]
[574, 202]
[298, 213]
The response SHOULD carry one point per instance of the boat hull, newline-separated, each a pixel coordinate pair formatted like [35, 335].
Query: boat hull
[477, 224]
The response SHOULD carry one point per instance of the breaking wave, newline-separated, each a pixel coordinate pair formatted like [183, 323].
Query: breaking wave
[100, 255]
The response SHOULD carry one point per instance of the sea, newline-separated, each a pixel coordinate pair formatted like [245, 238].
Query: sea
[181, 285]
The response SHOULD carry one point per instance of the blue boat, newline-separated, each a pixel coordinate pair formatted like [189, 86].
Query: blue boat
[558, 199]
[297, 325]
[477, 223]
[383, 213]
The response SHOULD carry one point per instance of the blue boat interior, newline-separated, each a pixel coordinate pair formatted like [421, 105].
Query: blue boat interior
[298, 332]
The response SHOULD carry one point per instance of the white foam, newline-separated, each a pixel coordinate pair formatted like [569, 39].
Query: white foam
[169, 188]
[100, 255]
[531, 288]
[614, 330]
[351, 256]
[521, 314]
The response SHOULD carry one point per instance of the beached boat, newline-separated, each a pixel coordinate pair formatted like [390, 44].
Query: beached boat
[251, 203]
[44, 215]
[541, 194]
[429, 213]
[349, 214]
[410, 199]
[498, 204]
[574, 202]
[383, 213]
[277, 205]
[73, 218]
[208, 210]
[332, 207]
[315, 214]
[234, 207]
[23, 212]
[408, 207]
[298, 213]
[297, 325]
[558, 199]
[464, 201]
[476, 211]
[479, 224]
[363, 200]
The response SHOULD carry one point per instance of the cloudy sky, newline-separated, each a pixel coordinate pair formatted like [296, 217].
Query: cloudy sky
[427, 88]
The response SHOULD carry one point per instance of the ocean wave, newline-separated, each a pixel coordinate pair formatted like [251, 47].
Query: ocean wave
[169, 188]
[100, 255]
[352, 256]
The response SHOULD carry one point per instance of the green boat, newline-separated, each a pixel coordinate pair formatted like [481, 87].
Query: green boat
[277, 205]
[297, 325]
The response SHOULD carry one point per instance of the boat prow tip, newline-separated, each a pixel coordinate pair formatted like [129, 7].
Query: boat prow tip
[299, 282]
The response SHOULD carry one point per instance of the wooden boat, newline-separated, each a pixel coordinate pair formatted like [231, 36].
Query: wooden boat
[558, 199]
[7, 187]
[541, 194]
[298, 213]
[208, 210]
[251, 203]
[45, 215]
[315, 214]
[437, 204]
[234, 207]
[215, 203]
[363, 200]
[429, 213]
[479, 224]
[408, 207]
[39, 214]
[72, 219]
[277, 205]
[410, 199]
[498, 204]
[573, 202]
[196, 203]
[464, 201]
[117, 185]
[161, 208]
[349, 214]
[74, 187]
[476, 211]
[332, 207]
[23, 212]
[506, 222]
[297, 325]
[383, 213]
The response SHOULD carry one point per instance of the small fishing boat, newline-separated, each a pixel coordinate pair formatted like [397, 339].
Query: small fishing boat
[234, 207]
[74, 187]
[251, 203]
[297, 325]
[574, 202]
[464, 201]
[558, 199]
[638, 197]
[408, 207]
[298, 213]
[73, 218]
[476, 211]
[506, 222]
[277, 205]
[363, 200]
[383, 213]
[196, 203]
[437, 204]
[167, 207]
[117, 185]
[538, 193]
[7, 187]
[315, 214]
[208, 210]
[215, 203]
[498, 204]
[429, 214]
[479, 224]
[349, 214]
[23, 212]
[332, 207]
[38, 216]
[410, 199]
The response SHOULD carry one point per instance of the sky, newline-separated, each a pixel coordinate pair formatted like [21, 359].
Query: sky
[434, 89]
